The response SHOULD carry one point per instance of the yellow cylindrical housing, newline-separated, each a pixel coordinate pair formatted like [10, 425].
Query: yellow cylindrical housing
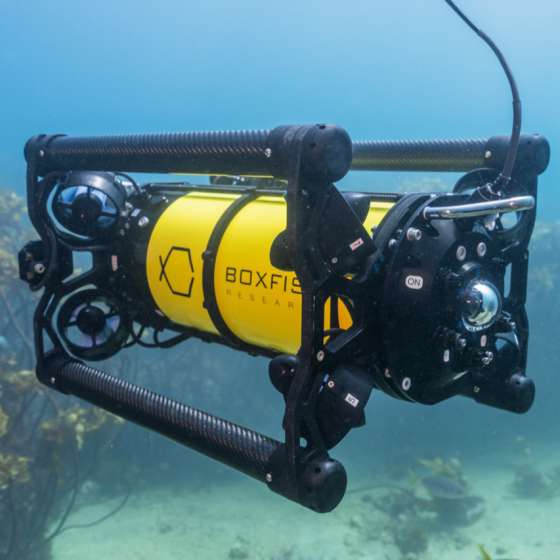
[259, 303]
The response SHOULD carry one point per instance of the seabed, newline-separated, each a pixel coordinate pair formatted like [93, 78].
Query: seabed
[243, 520]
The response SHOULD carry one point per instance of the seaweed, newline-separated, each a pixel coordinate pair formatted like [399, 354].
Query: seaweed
[47, 444]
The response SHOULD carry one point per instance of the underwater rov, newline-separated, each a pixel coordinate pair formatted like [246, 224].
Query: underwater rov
[421, 295]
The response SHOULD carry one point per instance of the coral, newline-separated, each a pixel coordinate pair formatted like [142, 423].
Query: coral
[13, 469]
[21, 381]
[76, 421]
[529, 483]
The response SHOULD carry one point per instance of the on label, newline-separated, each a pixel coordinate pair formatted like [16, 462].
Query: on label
[414, 282]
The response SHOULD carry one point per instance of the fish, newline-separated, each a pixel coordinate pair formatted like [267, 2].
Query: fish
[444, 487]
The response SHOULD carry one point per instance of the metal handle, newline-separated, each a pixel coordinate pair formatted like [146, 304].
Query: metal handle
[501, 206]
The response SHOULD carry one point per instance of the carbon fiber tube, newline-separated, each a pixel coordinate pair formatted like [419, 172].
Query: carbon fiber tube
[234, 445]
[186, 152]
[257, 152]
[419, 155]
[325, 151]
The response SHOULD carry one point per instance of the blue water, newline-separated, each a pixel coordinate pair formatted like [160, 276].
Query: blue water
[383, 70]
[406, 69]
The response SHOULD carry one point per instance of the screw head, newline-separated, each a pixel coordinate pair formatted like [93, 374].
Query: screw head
[406, 383]
[481, 249]
[143, 221]
[413, 234]
[461, 253]
[446, 355]
[320, 356]
[330, 384]
[267, 152]
[483, 340]
[268, 477]
[334, 260]
[39, 268]
[487, 154]
[392, 243]
[461, 343]
[476, 389]
[487, 358]
[41, 153]
[52, 381]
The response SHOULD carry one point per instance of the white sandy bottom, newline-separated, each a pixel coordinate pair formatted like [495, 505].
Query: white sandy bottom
[245, 520]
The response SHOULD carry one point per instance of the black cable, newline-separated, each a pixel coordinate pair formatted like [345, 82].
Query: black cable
[504, 177]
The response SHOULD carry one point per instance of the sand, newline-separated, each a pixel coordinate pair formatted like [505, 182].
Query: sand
[244, 520]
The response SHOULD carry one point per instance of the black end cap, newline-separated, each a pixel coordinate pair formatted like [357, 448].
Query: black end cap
[326, 151]
[516, 394]
[319, 484]
[36, 152]
[522, 393]
[323, 484]
[533, 153]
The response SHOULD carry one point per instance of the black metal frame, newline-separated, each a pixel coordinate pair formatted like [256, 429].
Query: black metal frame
[310, 158]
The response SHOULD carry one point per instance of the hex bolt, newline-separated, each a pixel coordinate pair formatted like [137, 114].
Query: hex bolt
[481, 249]
[320, 356]
[487, 358]
[267, 152]
[143, 221]
[461, 253]
[413, 234]
[406, 383]
[268, 477]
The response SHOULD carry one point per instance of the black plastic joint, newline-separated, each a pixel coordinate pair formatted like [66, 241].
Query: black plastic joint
[320, 482]
[326, 151]
[36, 151]
[533, 153]
[515, 394]
[50, 365]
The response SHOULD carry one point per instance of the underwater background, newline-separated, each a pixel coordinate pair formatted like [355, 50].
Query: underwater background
[76, 483]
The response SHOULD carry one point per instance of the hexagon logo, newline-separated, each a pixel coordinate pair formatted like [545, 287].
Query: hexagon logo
[177, 271]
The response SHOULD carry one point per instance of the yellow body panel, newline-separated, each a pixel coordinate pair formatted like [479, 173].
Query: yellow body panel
[260, 303]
